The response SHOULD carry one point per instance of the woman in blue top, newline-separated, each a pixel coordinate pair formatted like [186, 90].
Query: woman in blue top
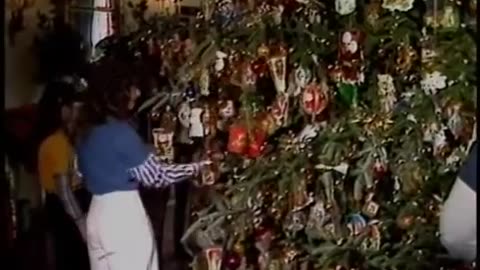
[114, 161]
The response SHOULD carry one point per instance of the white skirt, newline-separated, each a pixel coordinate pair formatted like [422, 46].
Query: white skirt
[119, 233]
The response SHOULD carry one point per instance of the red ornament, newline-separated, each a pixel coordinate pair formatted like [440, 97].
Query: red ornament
[260, 67]
[263, 231]
[314, 99]
[232, 261]
[237, 139]
[256, 145]
[351, 46]
[379, 169]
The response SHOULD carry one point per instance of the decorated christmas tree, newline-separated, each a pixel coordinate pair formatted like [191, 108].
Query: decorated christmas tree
[336, 128]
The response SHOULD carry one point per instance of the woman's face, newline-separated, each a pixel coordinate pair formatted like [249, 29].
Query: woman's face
[70, 115]
[133, 94]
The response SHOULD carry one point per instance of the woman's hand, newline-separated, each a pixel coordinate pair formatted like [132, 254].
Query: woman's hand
[206, 163]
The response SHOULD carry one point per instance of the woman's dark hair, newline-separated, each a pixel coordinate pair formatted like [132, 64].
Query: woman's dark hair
[107, 94]
[56, 95]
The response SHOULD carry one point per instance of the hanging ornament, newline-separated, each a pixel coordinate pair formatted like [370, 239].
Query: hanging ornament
[214, 256]
[204, 82]
[442, 14]
[432, 82]
[295, 222]
[313, 15]
[341, 168]
[348, 94]
[275, 264]
[411, 176]
[278, 71]
[302, 77]
[315, 98]
[405, 58]
[280, 110]
[263, 51]
[232, 261]
[356, 224]
[209, 120]
[455, 122]
[184, 112]
[450, 17]
[370, 207]
[349, 68]
[226, 109]
[405, 222]
[300, 196]
[266, 123]
[316, 219]
[277, 14]
[373, 12]
[379, 169]
[290, 255]
[237, 139]
[163, 141]
[330, 231]
[220, 61]
[260, 67]
[308, 133]
[397, 5]
[345, 7]
[329, 188]
[406, 218]
[225, 12]
[440, 144]
[387, 92]
[472, 12]
[210, 173]
[263, 239]
[264, 260]
[256, 144]
[429, 131]
[248, 76]
[191, 92]
[197, 129]
[350, 47]
[208, 7]
[358, 189]
[374, 238]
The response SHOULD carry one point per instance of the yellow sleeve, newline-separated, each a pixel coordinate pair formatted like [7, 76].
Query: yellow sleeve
[53, 158]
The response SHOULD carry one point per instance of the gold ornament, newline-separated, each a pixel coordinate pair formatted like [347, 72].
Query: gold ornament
[372, 12]
[263, 51]
[411, 177]
[239, 248]
[405, 222]
[405, 58]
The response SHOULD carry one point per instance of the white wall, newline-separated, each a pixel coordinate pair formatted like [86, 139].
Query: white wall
[20, 66]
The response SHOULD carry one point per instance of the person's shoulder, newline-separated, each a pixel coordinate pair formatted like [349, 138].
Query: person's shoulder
[54, 141]
[111, 131]
[116, 127]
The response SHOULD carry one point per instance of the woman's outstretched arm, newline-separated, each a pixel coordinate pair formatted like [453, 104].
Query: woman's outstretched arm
[143, 166]
[154, 173]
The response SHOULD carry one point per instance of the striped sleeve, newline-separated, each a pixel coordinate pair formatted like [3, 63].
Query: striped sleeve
[153, 173]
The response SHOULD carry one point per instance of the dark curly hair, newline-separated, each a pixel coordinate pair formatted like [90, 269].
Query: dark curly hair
[109, 83]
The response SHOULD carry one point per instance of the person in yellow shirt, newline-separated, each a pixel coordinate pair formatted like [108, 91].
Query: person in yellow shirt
[58, 110]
